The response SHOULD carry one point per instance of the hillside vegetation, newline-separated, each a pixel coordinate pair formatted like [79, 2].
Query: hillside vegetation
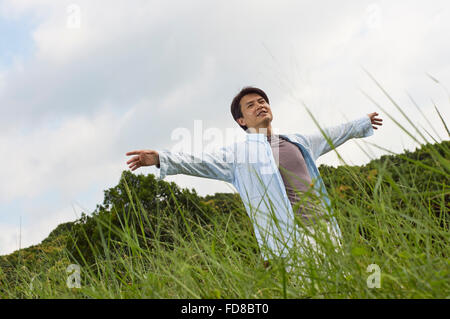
[152, 239]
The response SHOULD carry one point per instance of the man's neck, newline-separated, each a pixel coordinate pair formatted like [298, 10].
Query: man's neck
[262, 130]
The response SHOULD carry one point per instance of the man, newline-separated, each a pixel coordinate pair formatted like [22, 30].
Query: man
[275, 175]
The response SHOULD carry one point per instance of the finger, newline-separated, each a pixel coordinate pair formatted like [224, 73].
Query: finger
[374, 127]
[134, 152]
[134, 164]
[133, 159]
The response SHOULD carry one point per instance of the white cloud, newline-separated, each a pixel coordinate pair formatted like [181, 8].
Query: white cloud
[69, 157]
[9, 240]
[35, 227]
[136, 70]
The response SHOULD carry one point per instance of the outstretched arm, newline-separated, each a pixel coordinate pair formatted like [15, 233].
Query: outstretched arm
[215, 165]
[334, 136]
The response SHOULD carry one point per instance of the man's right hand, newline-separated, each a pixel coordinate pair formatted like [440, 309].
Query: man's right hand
[143, 158]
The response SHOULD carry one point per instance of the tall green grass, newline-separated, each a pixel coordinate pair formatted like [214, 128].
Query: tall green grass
[222, 260]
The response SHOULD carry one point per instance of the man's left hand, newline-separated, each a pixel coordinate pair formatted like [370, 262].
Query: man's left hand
[375, 120]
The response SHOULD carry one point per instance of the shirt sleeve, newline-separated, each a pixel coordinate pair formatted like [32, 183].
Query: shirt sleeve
[214, 165]
[321, 143]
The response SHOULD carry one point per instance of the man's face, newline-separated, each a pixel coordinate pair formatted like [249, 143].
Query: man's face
[256, 113]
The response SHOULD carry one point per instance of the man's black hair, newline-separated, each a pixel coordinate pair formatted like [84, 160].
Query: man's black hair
[236, 104]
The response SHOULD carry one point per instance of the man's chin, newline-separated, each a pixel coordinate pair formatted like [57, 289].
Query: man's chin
[266, 121]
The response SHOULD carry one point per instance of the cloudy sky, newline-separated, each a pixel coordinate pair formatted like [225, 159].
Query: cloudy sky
[84, 82]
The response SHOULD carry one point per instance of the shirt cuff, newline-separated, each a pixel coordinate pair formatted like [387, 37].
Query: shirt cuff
[365, 127]
[162, 164]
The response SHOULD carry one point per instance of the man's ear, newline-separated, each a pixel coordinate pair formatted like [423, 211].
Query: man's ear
[241, 121]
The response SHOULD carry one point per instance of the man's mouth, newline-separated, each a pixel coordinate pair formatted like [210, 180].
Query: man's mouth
[261, 113]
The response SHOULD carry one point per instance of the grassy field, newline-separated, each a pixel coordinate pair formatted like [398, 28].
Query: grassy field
[393, 213]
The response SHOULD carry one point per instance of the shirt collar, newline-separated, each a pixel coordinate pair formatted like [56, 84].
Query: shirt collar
[256, 137]
[260, 137]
